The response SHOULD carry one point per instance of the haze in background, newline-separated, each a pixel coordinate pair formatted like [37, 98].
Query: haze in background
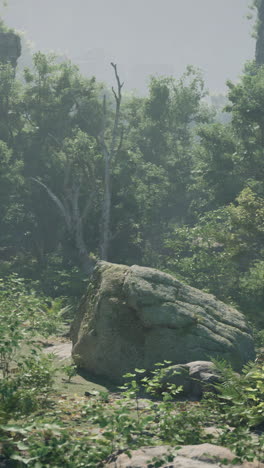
[144, 37]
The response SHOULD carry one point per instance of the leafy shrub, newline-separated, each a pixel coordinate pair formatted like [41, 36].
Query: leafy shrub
[26, 382]
[70, 370]
[28, 388]
[240, 397]
[238, 409]
[124, 424]
[23, 314]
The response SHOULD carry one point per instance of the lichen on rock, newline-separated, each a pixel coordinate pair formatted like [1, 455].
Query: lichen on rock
[137, 316]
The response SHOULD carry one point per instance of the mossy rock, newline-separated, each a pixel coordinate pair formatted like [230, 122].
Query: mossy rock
[136, 316]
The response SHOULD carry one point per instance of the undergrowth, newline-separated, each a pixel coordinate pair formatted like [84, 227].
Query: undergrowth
[39, 428]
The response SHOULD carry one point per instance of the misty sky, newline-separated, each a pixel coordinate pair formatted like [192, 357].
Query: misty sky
[143, 36]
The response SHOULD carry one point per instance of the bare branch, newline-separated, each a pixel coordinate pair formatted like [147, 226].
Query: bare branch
[57, 202]
[74, 221]
[55, 139]
[119, 84]
[114, 93]
[118, 99]
[88, 205]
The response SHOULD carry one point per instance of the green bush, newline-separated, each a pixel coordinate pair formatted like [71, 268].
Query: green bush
[26, 390]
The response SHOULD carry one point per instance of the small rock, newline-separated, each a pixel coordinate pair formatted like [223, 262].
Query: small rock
[195, 377]
[91, 394]
[190, 456]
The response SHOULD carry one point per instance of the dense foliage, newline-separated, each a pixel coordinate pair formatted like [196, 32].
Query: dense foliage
[183, 191]
[41, 427]
[186, 191]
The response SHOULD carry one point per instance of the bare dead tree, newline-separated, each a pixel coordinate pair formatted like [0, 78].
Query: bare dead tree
[109, 150]
[68, 205]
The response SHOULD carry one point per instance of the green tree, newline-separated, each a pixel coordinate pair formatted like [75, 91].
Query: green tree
[214, 180]
[77, 195]
[259, 55]
[161, 134]
[56, 102]
[246, 107]
[223, 252]
[11, 120]
[11, 207]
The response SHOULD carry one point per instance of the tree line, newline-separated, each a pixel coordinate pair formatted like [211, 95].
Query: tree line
[90, 173]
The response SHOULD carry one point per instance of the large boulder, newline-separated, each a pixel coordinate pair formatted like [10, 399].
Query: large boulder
[135, 317]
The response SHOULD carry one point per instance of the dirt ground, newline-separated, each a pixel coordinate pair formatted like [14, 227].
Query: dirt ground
[61, 349]
[83, 382]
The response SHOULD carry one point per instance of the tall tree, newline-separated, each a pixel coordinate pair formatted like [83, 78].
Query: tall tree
[11, 205]
[56, 103]
[161, 134]
[78, 192]
[110, 146]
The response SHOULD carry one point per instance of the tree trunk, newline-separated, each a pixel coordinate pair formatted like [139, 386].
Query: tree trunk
[109, 153]
[77, 230]
[106, 226]
[74, 224]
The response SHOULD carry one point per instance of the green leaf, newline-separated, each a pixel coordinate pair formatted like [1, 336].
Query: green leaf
[24, 460]
[22, 446]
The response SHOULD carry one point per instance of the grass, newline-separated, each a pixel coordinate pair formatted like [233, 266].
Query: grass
[80, 383]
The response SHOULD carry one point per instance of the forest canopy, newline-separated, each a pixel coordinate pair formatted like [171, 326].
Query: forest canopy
[161, 180]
